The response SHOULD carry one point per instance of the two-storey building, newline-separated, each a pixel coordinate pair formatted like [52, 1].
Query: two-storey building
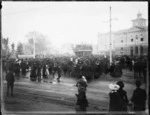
[131, 41]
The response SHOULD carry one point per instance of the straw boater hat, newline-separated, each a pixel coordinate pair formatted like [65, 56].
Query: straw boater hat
[114, 86]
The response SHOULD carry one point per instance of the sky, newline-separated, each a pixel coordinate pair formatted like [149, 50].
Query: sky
[67, 22]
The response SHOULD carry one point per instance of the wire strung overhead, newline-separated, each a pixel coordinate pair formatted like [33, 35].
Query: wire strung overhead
[24, 11]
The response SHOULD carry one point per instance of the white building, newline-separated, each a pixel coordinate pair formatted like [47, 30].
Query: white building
[131, 41]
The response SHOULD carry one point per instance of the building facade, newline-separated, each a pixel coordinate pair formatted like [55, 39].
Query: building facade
[132, 41]
[104, 43]
[83, 50]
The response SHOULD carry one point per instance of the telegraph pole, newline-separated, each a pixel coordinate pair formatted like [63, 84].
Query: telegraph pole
[34, 44]
[110, 39]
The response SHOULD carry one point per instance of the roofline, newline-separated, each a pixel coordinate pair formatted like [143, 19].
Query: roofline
[139, 19]
[127, 30]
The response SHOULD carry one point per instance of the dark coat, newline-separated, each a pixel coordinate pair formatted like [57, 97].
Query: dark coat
[124, 100]
[82, 100]
[10, 78]
[118, 70]
[17, 68]
[112, 70]
[139, 99]
[33, 72]
[114, 103]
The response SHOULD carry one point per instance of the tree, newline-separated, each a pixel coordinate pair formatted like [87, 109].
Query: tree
[20, 48]
[5, 48]
[12, 46]
[41, 43]
[30, 41]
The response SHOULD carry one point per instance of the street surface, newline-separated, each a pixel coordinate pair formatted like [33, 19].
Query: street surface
[33, 96]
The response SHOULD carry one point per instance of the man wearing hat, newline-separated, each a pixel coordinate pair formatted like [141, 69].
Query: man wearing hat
[139, 97]
[10, 81]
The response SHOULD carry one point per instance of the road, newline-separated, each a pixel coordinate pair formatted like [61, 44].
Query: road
[60, 97]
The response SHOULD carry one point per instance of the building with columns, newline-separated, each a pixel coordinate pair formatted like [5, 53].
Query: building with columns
[132, 41]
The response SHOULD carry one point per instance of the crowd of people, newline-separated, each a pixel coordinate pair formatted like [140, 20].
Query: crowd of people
[85, 68]
[90, 67]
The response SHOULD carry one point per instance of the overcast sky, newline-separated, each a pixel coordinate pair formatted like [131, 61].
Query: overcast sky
[67, 22]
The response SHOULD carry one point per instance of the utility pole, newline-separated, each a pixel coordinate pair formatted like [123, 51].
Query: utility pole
[126, 43]
[110, 39]
[34, 43]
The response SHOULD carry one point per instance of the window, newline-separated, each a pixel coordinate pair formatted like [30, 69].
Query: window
[141, 50]
[131, 40]
[142, 39]
[136, 50]
[121, 50]
[131, 51]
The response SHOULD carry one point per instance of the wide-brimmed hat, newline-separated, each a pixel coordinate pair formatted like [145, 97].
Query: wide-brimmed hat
[84, 78]
[113, 86]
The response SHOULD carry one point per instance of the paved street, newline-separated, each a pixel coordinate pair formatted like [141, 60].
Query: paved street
[44, 96]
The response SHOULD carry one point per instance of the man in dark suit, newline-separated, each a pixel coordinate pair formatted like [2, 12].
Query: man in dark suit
[139, 97]
[10, 81]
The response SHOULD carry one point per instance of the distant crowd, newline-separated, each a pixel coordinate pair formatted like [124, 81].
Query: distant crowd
[90, 67]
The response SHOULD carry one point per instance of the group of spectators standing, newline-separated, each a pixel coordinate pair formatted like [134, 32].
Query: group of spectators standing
[118, 99]
[90, 67]
[137, 64]
[120, 102]
[85, 69]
